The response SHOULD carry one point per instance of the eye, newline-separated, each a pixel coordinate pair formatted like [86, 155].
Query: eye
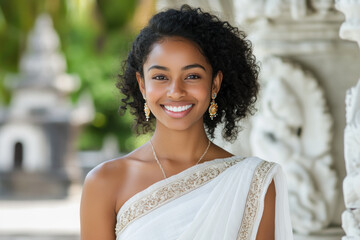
[193, 76]
[159, 77]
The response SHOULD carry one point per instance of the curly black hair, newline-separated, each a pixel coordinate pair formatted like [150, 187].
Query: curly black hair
[225, 47]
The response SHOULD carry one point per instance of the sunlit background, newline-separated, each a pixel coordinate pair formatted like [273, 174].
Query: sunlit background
[59, 61]
[59, 117]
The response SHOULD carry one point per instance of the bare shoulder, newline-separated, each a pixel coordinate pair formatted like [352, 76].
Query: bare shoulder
[110, 175]
[121, 178]
[107, 172]
[97, 215]
[102, 187]
[267, 225]
[102, 183]
[113, 171]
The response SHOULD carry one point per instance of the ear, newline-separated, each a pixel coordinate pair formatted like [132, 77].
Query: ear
[141, 83]
[217, 82]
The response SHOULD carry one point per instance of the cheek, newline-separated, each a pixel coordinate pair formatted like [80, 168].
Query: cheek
[154, 94]
[152, 89]
[202, 94]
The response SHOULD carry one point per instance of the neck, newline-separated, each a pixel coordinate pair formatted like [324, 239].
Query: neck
[180, 146]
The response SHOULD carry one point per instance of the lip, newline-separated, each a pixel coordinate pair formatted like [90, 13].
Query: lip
[176, 104]
[180, 114]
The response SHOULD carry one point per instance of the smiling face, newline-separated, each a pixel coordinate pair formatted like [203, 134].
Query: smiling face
[178, 83]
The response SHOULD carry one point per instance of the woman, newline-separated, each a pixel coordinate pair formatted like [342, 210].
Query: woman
[187, 72]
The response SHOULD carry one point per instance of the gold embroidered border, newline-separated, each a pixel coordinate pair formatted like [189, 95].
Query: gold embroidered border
[169, 192]
[253, 200]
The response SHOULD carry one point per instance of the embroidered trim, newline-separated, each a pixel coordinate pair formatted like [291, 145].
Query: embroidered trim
[169, 192]
[253, 199]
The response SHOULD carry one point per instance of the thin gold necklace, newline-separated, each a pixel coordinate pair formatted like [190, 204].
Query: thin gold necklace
[162, 169]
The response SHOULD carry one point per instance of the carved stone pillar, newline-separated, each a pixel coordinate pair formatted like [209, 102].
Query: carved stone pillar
[350, 30]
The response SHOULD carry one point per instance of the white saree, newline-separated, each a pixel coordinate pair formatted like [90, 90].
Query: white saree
[218, 199]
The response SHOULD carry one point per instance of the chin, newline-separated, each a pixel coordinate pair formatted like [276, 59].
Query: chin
[179, 125]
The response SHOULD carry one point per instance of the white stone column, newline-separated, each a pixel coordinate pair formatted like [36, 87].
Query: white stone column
[350, 30]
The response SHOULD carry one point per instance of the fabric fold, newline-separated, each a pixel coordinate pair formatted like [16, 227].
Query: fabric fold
[219, 199]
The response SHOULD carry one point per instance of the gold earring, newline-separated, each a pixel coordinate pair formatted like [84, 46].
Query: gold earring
[146, 111]
[213, 107]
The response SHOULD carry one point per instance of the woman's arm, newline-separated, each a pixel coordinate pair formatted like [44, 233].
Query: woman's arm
[97, 210]
[267, 225]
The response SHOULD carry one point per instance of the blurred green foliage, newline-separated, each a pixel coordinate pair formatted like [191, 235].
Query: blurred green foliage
[95, 37]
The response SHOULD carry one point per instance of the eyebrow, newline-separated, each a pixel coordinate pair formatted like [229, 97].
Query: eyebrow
[195, 65]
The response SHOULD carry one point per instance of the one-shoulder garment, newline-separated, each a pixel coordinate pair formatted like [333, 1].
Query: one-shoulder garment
[218, 199]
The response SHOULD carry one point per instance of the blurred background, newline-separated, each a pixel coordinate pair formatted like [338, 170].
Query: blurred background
[94, 40]
[59, 117]
[59, 61]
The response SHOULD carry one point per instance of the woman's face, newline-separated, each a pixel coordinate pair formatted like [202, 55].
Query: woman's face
[177, 83]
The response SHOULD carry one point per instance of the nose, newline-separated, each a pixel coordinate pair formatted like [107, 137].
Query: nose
[176, 90]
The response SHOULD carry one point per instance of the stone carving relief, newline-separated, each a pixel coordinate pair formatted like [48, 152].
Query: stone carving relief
[253, 9]
[293, 128]
[283, 27]
[222, 8]
[351, 223]
[350, 30]
[351, 184]
[276, 8]
[352, 148]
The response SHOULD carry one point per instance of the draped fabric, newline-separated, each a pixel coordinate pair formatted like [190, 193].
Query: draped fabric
[218, 199]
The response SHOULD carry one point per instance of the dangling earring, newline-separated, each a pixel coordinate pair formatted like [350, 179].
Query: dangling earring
[146, 111]
[213, 107]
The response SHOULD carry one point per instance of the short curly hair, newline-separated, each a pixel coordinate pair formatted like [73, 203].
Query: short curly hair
[225, 47]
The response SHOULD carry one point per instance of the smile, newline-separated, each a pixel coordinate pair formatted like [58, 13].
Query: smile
[178, 108]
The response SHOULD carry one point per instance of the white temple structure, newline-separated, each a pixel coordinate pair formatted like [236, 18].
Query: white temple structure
[350, 30]
[306, 70]
[38, 128]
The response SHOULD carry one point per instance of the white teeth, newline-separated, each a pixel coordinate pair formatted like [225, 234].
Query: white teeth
[178, 109]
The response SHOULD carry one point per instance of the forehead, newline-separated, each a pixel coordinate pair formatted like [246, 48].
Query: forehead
[175, 50]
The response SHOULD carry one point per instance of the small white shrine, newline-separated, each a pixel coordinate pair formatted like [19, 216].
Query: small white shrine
[38, 128]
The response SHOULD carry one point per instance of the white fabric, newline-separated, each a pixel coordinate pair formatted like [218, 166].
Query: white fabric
[212, 211]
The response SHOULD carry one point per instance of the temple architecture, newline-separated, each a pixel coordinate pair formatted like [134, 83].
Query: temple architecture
[350, 30]
[306, 69]
[38, 128]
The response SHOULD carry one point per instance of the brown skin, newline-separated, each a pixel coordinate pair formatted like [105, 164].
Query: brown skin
[184, 77]
[267, 225]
